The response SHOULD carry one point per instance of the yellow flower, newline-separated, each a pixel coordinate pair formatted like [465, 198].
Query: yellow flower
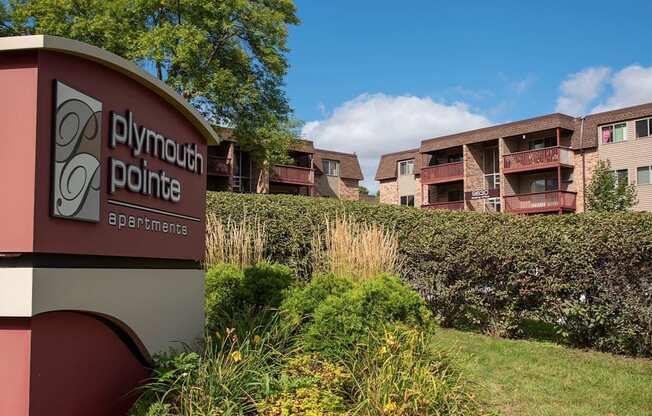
[383, 350]
[390, 407]
[236, 356]
[257, 339]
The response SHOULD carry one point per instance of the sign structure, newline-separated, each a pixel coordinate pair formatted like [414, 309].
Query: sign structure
[481, 194]
[76, 156]
[102, 226]
[126, 156]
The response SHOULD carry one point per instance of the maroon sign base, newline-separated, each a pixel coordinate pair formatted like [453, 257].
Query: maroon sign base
[66, 364]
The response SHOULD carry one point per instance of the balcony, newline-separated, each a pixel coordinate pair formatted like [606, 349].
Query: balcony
[541, 202]
[446, 172]
[219, 166]
[451, 206]
[294, 175]
[548, 157]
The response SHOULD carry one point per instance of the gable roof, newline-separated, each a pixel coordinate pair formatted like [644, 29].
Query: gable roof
[531, 125]
[387, 164]
[349, 164]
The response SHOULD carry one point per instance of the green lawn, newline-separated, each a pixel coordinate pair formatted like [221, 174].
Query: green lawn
[540, 378]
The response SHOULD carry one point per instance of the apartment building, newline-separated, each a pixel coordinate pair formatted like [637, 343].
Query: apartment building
[314, 172]
[534, 166]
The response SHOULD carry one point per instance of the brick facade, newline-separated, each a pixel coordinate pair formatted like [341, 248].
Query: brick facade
[349, 190]
[590, 162]
[473, 175]
[389, 192]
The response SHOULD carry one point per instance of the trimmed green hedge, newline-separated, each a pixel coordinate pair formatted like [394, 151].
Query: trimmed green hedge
[588, 276]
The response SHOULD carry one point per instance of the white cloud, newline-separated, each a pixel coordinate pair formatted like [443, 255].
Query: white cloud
[374, 124]
[579, 90]
[630, 86]
[522, 85]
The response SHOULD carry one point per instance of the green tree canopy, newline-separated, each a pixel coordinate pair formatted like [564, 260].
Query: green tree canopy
[363, 190]
[606, 193]
[226, 57]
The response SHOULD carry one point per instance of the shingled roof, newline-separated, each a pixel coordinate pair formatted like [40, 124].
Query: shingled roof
[531, 125]
[349, 165]
[592, 122]
[387, 165]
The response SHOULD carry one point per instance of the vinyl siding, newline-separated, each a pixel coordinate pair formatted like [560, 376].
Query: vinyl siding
[630, 154]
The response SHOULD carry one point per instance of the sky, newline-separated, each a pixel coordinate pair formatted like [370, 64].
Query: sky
[379, 76]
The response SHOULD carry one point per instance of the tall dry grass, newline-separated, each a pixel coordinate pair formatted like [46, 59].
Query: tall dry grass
[355, 250]
[240, 244]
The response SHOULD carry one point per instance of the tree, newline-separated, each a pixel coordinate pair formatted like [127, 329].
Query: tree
[606, 193]
[226, 57]
[363, 190]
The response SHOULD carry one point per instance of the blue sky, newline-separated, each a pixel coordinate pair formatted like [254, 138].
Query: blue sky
[379, 76]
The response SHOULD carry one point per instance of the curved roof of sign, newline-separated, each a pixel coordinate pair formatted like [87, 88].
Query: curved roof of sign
[117, 63]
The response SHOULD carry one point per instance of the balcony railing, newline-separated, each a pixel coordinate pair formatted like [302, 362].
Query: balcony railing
[541, 202]
[219, 166]
[452, 206]
[447, 172]
[295, 175]
[548, 157]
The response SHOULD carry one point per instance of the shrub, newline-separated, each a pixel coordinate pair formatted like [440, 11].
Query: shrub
[301, 302]
[343, 318]
[489, 272]
[242, 299]
[264, 285]
[309, 385]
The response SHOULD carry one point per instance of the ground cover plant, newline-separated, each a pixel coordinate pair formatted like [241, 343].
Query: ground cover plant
[586, 278]
[320, 348]
[277, 345]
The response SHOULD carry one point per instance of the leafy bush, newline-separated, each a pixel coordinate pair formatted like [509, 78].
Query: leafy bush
[301, 302]
[349, 347]
[339, 314]
[264, 285]
[309, 385]
[490, 272]
[242, 298]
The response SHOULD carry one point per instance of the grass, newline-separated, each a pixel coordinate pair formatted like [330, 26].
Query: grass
[354, 250]
[521, 377]
[239, 244]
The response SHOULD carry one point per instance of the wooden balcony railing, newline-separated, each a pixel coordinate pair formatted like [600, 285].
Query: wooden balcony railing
[219, 166]
[295, 175]
[447, 172]
[541, 202]
[452, 206]
[548, 157]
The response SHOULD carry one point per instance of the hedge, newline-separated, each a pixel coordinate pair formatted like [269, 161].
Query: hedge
[586, 276]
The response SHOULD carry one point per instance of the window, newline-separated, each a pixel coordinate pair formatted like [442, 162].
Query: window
[492, 205]
[331, 167]
[406, 167]
[644, 128]
[492, 181]
[407, 200]
[491, 160]
[542, 143]
[643, 175]
[455, 195]
[622, 176]
[543, 185]
[614, 133]
[455, 158]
